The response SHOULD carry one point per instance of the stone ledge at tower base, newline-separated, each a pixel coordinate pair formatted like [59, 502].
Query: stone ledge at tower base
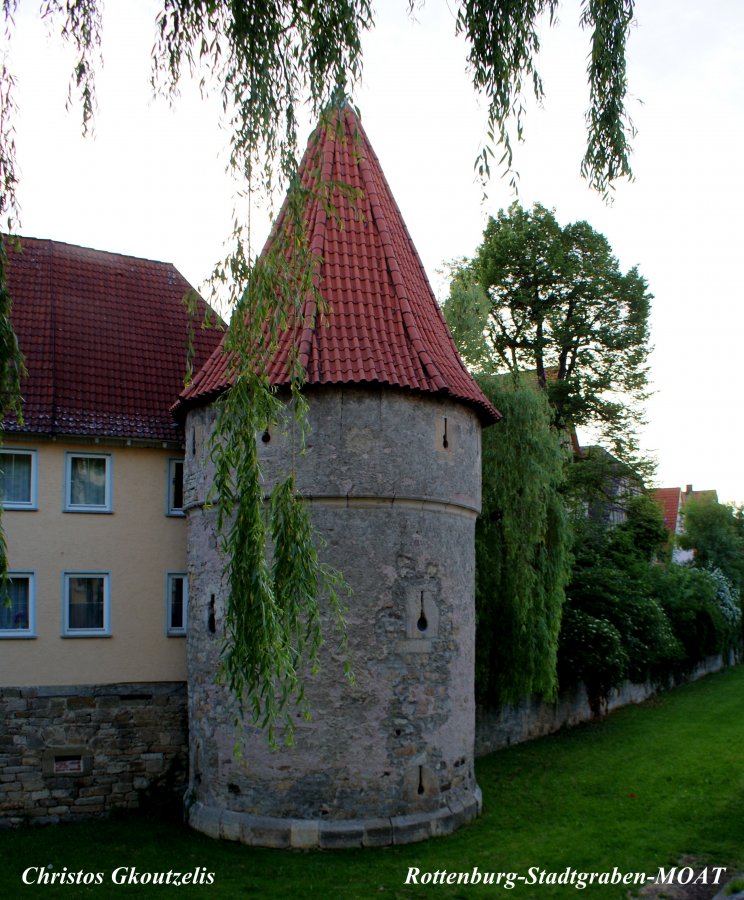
[310, 834]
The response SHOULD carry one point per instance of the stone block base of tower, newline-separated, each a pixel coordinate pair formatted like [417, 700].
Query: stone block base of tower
[310, 834]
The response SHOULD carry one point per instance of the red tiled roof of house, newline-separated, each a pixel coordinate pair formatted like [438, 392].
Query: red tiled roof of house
[104, 338]
[383, 324]
[669, 500]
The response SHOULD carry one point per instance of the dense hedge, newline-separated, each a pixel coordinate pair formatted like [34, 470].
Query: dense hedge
[632, 614]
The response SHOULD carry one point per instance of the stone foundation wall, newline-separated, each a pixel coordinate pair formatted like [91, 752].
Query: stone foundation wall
[74, 752]
[531, 718]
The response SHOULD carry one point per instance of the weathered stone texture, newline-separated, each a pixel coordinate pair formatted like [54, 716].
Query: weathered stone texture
[395, 503]
[127, 740]
[532, 718]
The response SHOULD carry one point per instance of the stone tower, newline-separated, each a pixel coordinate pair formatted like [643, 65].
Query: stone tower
[392, 474]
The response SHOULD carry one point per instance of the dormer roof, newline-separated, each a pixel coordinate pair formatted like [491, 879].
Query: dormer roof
[383, 325]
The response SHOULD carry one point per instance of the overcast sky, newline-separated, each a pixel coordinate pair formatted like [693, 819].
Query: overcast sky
[152, 182]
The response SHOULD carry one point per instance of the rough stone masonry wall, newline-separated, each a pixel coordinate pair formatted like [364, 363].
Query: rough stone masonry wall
[73, 752]
[389, 759]
[531, 718]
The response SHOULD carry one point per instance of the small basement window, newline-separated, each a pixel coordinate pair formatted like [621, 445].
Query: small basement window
[66, 761]
[68, 765]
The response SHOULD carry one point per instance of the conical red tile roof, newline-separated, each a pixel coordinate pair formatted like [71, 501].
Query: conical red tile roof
[383, 324]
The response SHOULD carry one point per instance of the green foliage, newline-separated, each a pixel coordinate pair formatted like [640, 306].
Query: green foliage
[551, 300]
[522, 549]
[715, 532]
[611, 582]
[11, 359]
[699, 607]
[631, 614]
[273, 613]
[600, 486]
[727, 598]
[503, 46]
[272, 620]
[266, 59]
[592, 651]
[644, 527]
[12, 370]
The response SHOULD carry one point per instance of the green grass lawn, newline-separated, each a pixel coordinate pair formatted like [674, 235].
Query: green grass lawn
[649, 785]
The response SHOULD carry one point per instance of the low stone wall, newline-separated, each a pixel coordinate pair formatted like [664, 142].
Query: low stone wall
[496, 729]
[74, 752]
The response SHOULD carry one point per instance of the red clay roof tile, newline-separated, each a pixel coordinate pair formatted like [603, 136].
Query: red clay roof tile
[104, 338]
[383, 324]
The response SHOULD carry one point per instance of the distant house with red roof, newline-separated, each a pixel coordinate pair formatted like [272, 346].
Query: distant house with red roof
[672, 502]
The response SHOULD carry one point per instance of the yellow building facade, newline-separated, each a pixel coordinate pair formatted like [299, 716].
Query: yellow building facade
[106, 587]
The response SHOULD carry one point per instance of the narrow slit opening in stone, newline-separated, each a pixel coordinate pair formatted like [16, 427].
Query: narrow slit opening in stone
[423, 622]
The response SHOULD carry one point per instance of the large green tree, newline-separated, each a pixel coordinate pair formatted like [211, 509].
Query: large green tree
[715, 532]
[522, 548]
[552, 300]
[266, 60]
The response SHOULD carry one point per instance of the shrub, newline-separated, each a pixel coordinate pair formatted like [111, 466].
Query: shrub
[611, 583]
[591, 650]
[702, 607]
[728, 600]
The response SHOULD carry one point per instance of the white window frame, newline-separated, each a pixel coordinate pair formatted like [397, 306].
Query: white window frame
[171, 510]
[69, 506]
[169, 629]
[33, 502]
[30, 632]
[67, 631]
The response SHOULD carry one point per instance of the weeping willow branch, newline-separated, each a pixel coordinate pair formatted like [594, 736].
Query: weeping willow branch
[276, 581]
[265, 60]
[503, 48]
[12, 368]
